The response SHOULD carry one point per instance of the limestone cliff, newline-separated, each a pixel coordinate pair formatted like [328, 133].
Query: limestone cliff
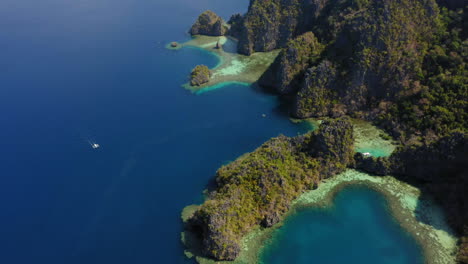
[399, 63]
[209, 24]
[200, 75]
[288, 70]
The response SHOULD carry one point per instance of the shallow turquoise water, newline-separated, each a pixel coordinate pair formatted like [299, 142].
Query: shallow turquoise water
[357, 228]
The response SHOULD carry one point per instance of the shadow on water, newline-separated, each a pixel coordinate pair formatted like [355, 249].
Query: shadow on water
[450, 210]
[442, 181]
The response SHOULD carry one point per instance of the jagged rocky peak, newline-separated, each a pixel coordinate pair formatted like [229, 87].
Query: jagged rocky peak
[372, 50]
[316, 94]
[235, 25]
[209, 24]
[270, 24]
[287, 72]
[333, 141]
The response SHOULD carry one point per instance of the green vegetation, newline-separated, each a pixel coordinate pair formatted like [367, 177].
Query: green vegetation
[209, 24]
[399, 63]
[439, 98]
[259, 187]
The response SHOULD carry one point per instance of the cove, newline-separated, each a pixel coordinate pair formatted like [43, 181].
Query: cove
[357, 228]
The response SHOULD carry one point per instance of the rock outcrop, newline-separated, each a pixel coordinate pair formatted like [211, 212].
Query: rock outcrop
[258, 188]
[209, 24]
[400, 64]
[288, 70]
[268, 25]
[333, 146]
[373, 51]
[235, 25]
[200, 75]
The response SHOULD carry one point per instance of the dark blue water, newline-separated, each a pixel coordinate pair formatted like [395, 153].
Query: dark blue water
[97, 70]
[357, 228]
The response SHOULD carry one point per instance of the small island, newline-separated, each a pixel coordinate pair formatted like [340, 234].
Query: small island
[200, 75]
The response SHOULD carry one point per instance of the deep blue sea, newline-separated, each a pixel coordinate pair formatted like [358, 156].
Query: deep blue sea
[75, 72]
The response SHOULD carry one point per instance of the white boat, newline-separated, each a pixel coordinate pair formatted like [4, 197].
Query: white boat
[94, 145]
[366, 154]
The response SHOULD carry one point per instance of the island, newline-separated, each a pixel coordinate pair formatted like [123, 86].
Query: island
[400, 65]
[200, 75]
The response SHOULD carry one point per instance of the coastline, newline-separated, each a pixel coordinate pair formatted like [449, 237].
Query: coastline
[232, 67]
[368, 137]
[438, 246]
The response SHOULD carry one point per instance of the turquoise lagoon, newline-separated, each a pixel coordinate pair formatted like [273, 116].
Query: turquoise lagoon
[356, 228]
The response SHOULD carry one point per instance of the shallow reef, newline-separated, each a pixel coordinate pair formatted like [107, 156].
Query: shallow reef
[233, 67]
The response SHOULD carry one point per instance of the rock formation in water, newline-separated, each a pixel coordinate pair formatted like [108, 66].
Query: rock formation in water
[200, 75]
[258, 188]
[209, 24]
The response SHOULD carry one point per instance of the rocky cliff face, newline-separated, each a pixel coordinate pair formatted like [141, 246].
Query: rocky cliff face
[333, 146]
[453, 4]
[209, 24]
[288, 70]
[270, 24]
[315, 98]
[258, 188]
[374, 50]
[235, 25]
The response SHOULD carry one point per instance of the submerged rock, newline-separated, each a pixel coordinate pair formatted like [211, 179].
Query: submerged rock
[209, 24]
[200, 75]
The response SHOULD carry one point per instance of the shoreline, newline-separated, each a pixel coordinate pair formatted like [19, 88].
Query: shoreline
[232, 67]
[438, 246]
